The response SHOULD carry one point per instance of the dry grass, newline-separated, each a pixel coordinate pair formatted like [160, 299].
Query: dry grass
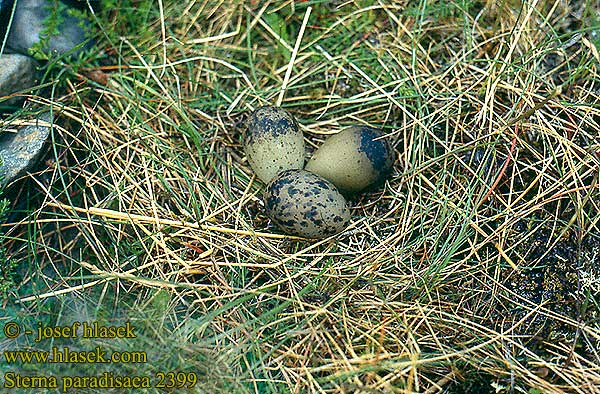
[476, 266]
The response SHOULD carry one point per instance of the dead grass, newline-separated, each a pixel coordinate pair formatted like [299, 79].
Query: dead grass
[436, 286]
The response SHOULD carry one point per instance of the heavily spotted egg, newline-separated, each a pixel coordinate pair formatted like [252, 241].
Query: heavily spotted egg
[304, 204]
[354, 159]
[273, 142]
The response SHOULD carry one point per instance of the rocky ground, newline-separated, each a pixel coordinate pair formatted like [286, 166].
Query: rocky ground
[31, 31]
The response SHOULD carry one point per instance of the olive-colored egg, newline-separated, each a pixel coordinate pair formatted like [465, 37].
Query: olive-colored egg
[304, 204]
[273, 142]
[354, 159]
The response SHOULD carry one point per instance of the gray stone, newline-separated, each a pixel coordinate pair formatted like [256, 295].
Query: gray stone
[20, 150]
[17, 73]
[29, 27]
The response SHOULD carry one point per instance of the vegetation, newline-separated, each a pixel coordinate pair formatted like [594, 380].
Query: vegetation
[473, 269]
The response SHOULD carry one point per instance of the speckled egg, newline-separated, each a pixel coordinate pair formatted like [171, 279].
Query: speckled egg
[273, 142]
[354, 159]
[304, 204]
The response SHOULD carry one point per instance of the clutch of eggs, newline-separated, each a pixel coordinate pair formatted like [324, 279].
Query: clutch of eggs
[308, 202]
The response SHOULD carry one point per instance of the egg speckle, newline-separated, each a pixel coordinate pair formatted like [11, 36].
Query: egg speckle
[354, 159]
[273, 142]
[304, 204]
